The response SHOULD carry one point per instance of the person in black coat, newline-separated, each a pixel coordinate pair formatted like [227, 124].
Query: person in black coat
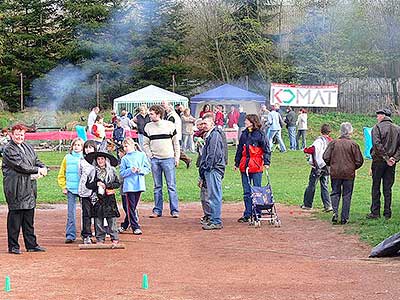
[21, 167]
[103, 181]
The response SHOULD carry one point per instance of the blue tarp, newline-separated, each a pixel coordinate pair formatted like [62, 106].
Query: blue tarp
[368, 142]
[227, 92]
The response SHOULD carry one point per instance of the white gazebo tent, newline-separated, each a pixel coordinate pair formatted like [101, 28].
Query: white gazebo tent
[149, 95]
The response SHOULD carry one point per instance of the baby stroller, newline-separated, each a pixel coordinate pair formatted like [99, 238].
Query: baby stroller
[263, 206]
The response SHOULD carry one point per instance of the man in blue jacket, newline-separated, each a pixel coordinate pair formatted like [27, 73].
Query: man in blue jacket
[212, 169]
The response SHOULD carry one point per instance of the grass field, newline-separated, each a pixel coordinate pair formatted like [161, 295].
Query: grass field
[289, 177]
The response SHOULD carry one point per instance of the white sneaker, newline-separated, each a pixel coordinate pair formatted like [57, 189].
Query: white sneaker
[137, 231]
[87, 240]
[122, 229]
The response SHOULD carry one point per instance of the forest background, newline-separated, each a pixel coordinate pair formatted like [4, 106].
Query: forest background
[62, 52]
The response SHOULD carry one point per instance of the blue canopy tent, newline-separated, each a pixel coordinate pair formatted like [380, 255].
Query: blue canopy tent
[227, 95]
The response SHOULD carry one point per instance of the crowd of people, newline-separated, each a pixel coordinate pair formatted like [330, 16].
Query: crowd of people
[88, 172]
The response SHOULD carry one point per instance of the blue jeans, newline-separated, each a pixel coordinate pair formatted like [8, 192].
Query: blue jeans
[292, 137]
[187, 142]
[205, 202]
[256, 178]
[277, 133]
[301, 134]
[214, 189]
[310, 190]
[140, 140]
[158, 167]
[70, 228]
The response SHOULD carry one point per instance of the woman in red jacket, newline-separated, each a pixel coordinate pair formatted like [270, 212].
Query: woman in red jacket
[252, 154]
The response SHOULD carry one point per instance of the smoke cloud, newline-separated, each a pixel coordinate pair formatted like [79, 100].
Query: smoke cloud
[74, 86]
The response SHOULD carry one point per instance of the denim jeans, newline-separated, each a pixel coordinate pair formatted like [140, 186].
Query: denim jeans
[381, 172]
[205, 201]
[292, 137]
[187, 142]
[256, 179]
[277, 133]
[344, 188]
[301, 133]
[214, 189]
[310, 190]
[140, 140]
[158, 167]
[102, 146]
[70, 228]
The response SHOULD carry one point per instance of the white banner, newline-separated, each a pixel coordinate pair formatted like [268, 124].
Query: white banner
[304, 95]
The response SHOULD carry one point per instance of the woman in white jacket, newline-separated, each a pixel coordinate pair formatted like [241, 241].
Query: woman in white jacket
[301, 128]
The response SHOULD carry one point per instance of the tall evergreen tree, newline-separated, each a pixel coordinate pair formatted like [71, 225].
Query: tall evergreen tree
[159, 44]
[95, 41]
[257, 47]
[30, 46]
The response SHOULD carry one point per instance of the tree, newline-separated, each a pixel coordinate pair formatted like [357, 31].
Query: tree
[333, 43]
[30, 43]
[159, 48]
[258, 47]
[95, 40]
[214, 53]
[385, 15]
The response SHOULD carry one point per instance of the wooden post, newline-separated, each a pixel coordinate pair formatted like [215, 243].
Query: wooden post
[173, 83]
[22, 90]
[98, 90]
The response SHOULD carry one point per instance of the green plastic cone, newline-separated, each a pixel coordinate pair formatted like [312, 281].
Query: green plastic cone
[145, 282]
[7, 286]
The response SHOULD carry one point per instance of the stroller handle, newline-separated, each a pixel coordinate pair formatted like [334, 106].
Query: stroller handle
[266, 175]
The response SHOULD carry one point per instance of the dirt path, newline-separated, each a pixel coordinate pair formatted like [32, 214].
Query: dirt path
[304, 259]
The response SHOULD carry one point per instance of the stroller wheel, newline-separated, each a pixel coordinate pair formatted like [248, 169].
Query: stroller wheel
[278, 223]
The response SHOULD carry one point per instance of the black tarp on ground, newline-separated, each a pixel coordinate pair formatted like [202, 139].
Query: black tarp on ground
[388, 247]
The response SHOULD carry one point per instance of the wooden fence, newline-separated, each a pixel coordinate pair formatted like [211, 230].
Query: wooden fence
[365, 95]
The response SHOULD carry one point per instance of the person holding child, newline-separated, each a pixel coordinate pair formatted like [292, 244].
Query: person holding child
[68, 180]
[134, 166]
[102, 181]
